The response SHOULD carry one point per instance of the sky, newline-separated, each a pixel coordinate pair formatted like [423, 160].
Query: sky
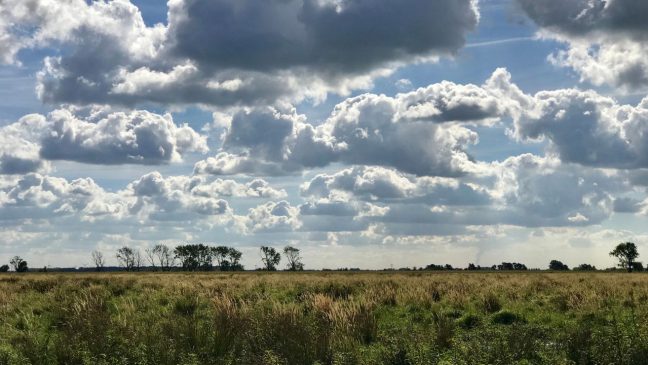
[372, 134]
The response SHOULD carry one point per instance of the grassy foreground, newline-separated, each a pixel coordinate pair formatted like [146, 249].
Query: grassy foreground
[324, 318]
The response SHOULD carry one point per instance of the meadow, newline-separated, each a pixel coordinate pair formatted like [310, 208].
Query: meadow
[324, 318]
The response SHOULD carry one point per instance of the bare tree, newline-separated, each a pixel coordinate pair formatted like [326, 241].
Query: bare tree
[150, 257]
[126, 258]
[294, 258]
[98, 259]
[138, 260]
[165, 256]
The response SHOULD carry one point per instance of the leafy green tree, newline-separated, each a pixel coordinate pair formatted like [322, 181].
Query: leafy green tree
[18, 264]
[4, 268]
[294, 258]
[270, 258]
[557, 266]
[626, 253]
[227, 258]
[220, 254]
[233, 262]
[195, 257]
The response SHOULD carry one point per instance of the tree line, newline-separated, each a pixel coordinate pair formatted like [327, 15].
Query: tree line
[200, 257]
[197, 257]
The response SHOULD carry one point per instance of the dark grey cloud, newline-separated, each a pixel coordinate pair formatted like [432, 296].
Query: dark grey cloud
[606, 38]
[580, 17]
[13, 165]
[334, 208]
[229, 52]
[627, 205]
[327, 36]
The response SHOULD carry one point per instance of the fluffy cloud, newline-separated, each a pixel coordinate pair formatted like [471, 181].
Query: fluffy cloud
[151, 198]
[257, 54]
[423, 132]
[525, 190]
[271, 217]
[606, 39]
[104, 137]
[587, 128]
[537, 191]
[34, 196]
[177, 197]
[378, 184]
[172, 199]
[19, 148]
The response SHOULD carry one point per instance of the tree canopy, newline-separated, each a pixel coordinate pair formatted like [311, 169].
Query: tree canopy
[626, 253]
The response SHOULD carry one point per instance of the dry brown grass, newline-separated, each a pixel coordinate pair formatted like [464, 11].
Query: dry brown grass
[323, 318]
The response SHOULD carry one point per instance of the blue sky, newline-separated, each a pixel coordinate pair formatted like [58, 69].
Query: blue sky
[366, 135]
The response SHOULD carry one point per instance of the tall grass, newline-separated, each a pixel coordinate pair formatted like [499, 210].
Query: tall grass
[324, 318]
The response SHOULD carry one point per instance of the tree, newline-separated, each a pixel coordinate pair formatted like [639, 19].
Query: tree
[18, 264]
[126, 258]
[270, 258]
[194, 257]
[150, 257]
[557, 265]
[227, 258]
[511, 266]
[220, 254]
[626, 253]
[98, 260]
[233, 262]
[138, 260]
[164, 256]
[294, 258]
[585, 267]
[4, 268]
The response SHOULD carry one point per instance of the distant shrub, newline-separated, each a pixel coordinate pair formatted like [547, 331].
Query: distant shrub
[506, 318]
[585, 267]
[511, 266]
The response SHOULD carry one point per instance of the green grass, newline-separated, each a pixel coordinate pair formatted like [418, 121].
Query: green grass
[324, 318]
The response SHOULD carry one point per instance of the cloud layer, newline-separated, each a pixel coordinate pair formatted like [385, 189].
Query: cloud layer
[102, 137]
[228, 52]
[606, 39]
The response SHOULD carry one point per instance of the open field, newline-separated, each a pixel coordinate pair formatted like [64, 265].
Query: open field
[324, 318]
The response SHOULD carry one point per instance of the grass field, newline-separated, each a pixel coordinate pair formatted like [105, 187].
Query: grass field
[324, 318]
